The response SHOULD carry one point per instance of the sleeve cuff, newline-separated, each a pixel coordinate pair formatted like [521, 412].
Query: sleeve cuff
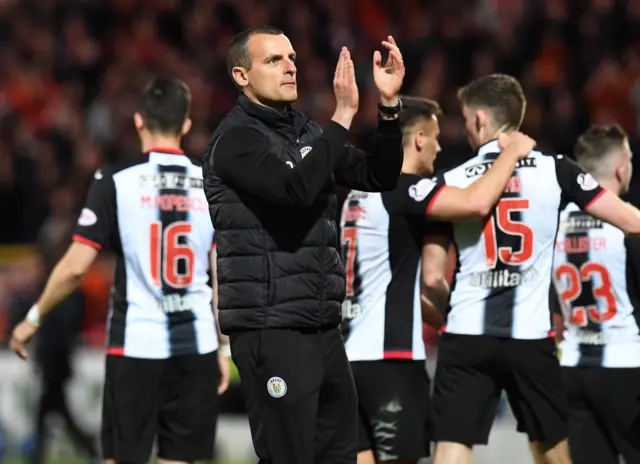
[86, 241]
[333, 130]
[432, 202]
[389, 127]
[596, 198]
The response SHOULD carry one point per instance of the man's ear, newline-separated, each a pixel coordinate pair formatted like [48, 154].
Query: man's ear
[418, 139]
[240, 76]
[138, 121]
[483, 119]
[186, 127]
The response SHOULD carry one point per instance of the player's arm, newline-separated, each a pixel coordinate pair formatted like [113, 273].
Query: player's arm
[582, 189]
[93, 231]
[65, 278]
[610, 208]
[376, 171]
[435, 257]
[479, 198]
[244, 157]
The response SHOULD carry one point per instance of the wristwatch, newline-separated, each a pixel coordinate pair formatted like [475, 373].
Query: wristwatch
[390, 110]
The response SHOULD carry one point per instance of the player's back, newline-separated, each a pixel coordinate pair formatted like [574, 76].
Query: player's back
[595, 273]
[504, 263]
[162, 234]
[382, 251]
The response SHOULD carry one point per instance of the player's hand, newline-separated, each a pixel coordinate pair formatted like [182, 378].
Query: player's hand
[388, 77]
[516, 143]
[225, 373]
[344, 84]
[20, 336]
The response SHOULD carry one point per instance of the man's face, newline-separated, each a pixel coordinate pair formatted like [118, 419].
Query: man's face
[426, 137]
[272, 77]
[471, 126]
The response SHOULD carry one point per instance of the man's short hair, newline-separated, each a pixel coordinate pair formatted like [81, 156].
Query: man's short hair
[238, 52]
[594, 145]
[415, 109]
[501, 94]
[165, 105]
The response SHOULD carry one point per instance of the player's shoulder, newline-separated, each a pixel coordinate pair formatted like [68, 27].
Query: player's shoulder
[112, 170]
[476, 165]
[549, 155]
[414, 187]
[559, 159]
[408, 182]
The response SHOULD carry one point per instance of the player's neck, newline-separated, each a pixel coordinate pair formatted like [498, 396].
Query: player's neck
[491, 134]
[610, 185]
[155, 141]
[411, 165]
[485, 140]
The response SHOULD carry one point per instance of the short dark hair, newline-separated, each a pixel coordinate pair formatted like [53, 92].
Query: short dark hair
[595, 144]
[165, 105]
[238, 51]
[501, 94]
[415, 109]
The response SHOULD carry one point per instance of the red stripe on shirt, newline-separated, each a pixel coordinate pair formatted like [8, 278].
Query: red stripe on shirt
[433, 199]
[398, 355]
[596, 198]
[115, 351]
[86, 241]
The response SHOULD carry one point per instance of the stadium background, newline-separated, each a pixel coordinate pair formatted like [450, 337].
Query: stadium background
[70, 71]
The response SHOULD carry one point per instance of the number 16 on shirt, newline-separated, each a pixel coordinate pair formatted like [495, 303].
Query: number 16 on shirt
[167, 252]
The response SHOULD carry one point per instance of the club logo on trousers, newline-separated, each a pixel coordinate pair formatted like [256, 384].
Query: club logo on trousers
[276, 387]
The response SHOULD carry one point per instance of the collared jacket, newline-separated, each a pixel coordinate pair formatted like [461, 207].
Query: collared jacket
[269, 178]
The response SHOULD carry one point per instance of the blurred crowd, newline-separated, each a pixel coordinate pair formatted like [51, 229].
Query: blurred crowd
[71, 70]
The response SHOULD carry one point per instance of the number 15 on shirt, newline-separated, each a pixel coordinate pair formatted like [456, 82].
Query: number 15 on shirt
[500, 225]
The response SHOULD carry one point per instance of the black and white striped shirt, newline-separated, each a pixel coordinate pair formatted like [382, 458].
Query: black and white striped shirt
[382, 236]
[154, 215]
[596, 273]
[502, 278]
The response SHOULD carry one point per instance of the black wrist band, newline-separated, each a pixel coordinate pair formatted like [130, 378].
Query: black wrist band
[390, 110]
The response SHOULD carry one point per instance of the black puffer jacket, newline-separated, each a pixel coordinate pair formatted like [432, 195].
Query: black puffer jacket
[269, 179]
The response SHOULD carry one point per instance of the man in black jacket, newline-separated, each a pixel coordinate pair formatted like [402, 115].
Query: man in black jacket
[269, 178]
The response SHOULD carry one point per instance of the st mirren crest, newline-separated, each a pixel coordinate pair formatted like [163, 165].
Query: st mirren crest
[276, 387]
[304, 151]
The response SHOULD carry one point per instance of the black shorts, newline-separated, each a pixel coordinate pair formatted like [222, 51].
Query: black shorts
[299, 394]
[472, 372]
[172, 400]
[604, 405]
[393, 402]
